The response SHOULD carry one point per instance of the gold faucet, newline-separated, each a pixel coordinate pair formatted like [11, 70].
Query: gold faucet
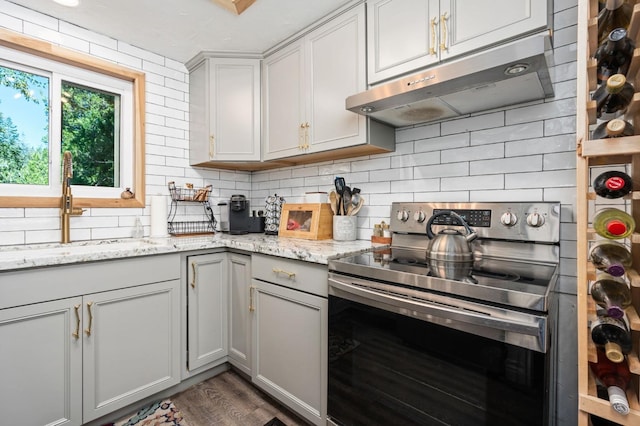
[66, 205]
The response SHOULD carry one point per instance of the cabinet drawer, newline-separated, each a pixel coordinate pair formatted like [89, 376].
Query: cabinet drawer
[295, 274]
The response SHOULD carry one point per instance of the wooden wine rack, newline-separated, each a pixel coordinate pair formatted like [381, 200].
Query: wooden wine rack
[604, 152]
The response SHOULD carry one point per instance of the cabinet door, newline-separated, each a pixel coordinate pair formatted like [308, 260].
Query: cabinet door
[290, 348]
[131, 345]
[240, 311]
[471, 25]
[401, 37]
[336, 58]
[41, 367]
[207, 309]
[284, 103]
[225, 117]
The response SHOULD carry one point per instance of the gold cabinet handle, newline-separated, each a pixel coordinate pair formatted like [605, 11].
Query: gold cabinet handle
[301, 136]
[88, 330]
[251, 291]
[193, 276]
[289, 275]
[212, 140]
[306, 136]
[443, 31]
[432, 45]
[76, 333]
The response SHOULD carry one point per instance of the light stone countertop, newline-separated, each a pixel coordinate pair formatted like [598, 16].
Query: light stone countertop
[39, 255]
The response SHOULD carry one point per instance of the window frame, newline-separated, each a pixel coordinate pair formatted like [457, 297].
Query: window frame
[63, 55]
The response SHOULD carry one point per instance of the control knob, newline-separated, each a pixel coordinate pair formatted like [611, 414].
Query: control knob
[419, 216]
[403, 215]
[508, 219]
[535, 220]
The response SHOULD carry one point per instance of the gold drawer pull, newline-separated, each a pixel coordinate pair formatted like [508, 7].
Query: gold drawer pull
[76, 333]
[88, 330]
[432, 45]
[251, 291]
[193, 278]
[290, 275]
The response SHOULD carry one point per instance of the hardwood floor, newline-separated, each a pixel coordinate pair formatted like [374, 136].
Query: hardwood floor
[230, 400]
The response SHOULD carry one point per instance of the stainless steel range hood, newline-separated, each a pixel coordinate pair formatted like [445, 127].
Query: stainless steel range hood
[504, 75]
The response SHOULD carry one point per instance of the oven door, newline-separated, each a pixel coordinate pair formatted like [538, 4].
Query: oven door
[402, 356]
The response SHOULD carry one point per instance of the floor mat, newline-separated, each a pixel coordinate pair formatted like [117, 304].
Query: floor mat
[159, 413]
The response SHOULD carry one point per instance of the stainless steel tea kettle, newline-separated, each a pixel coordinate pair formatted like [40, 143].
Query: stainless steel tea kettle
[450, 245]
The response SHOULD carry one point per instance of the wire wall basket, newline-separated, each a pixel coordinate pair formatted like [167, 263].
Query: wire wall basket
[190, 196]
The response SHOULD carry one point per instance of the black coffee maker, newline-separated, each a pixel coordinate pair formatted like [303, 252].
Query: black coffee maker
[238, 214]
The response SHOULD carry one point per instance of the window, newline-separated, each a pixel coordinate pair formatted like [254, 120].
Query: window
[54, 100]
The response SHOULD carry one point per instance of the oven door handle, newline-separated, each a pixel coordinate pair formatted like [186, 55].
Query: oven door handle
[440, 306]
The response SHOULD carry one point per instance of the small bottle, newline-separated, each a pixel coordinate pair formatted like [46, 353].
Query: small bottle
[612, 184]
[611, 293]
[614, 55]
[610, 257]
[615, 376]
[615, 128]
[613, 223]
[138, 231]
[615, 14]
[612, 335]
[613, 97]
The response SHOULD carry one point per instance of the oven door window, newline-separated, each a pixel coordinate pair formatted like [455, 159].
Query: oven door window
[390, 369]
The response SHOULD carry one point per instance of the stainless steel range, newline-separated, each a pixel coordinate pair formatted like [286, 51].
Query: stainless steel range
[420, 320]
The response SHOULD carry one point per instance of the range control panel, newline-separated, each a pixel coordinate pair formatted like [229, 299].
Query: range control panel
[535, 221]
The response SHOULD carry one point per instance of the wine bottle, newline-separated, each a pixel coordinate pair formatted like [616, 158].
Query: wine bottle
[613, 97]
[611, 257]
[613, 223]
[616, 377]
[614, 55]
[612, 184]
[615, 128]
[616, 14]
[612, 335]
[611, 293]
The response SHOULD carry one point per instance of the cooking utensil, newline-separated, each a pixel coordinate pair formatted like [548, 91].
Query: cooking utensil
[340, 184]
[346, 200]
[355, 196]
[354, 211]
[450, 245]
[333, 200]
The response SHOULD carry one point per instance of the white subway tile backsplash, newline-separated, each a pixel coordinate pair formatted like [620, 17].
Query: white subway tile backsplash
[43, 33]
[10, 22]
[564, 36]
[478, 122]
[564, 89]
[508, 133]
[449, 196]
[28, 15]
[391, 174]
[418, 132]
[372, 164]
[470, 183]
[559, 143]
[529, 163]
[416, 185]
[560, 126]
[561, 160]
[507, 195]
[442, 170]
[415, 159]
[473, 153]
[565, 18]
[159, 89]
[144, 55]
[546, 110]
[444, 142]
[550, 179]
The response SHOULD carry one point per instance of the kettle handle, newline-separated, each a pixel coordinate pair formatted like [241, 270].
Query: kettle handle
[451, 213]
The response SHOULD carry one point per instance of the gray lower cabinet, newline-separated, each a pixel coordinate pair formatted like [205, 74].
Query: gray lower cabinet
[240, 312]
[81, 341]
[290, 334]
[207, 278]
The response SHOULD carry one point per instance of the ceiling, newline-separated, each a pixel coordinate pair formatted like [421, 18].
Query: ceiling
[179, 29]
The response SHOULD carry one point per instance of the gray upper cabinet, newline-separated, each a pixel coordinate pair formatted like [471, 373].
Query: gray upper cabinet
[305, 85]
[224, 117]
[406, 35]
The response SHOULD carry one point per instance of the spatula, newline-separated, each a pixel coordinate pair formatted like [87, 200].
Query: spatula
[339, 182]
[346, 200]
